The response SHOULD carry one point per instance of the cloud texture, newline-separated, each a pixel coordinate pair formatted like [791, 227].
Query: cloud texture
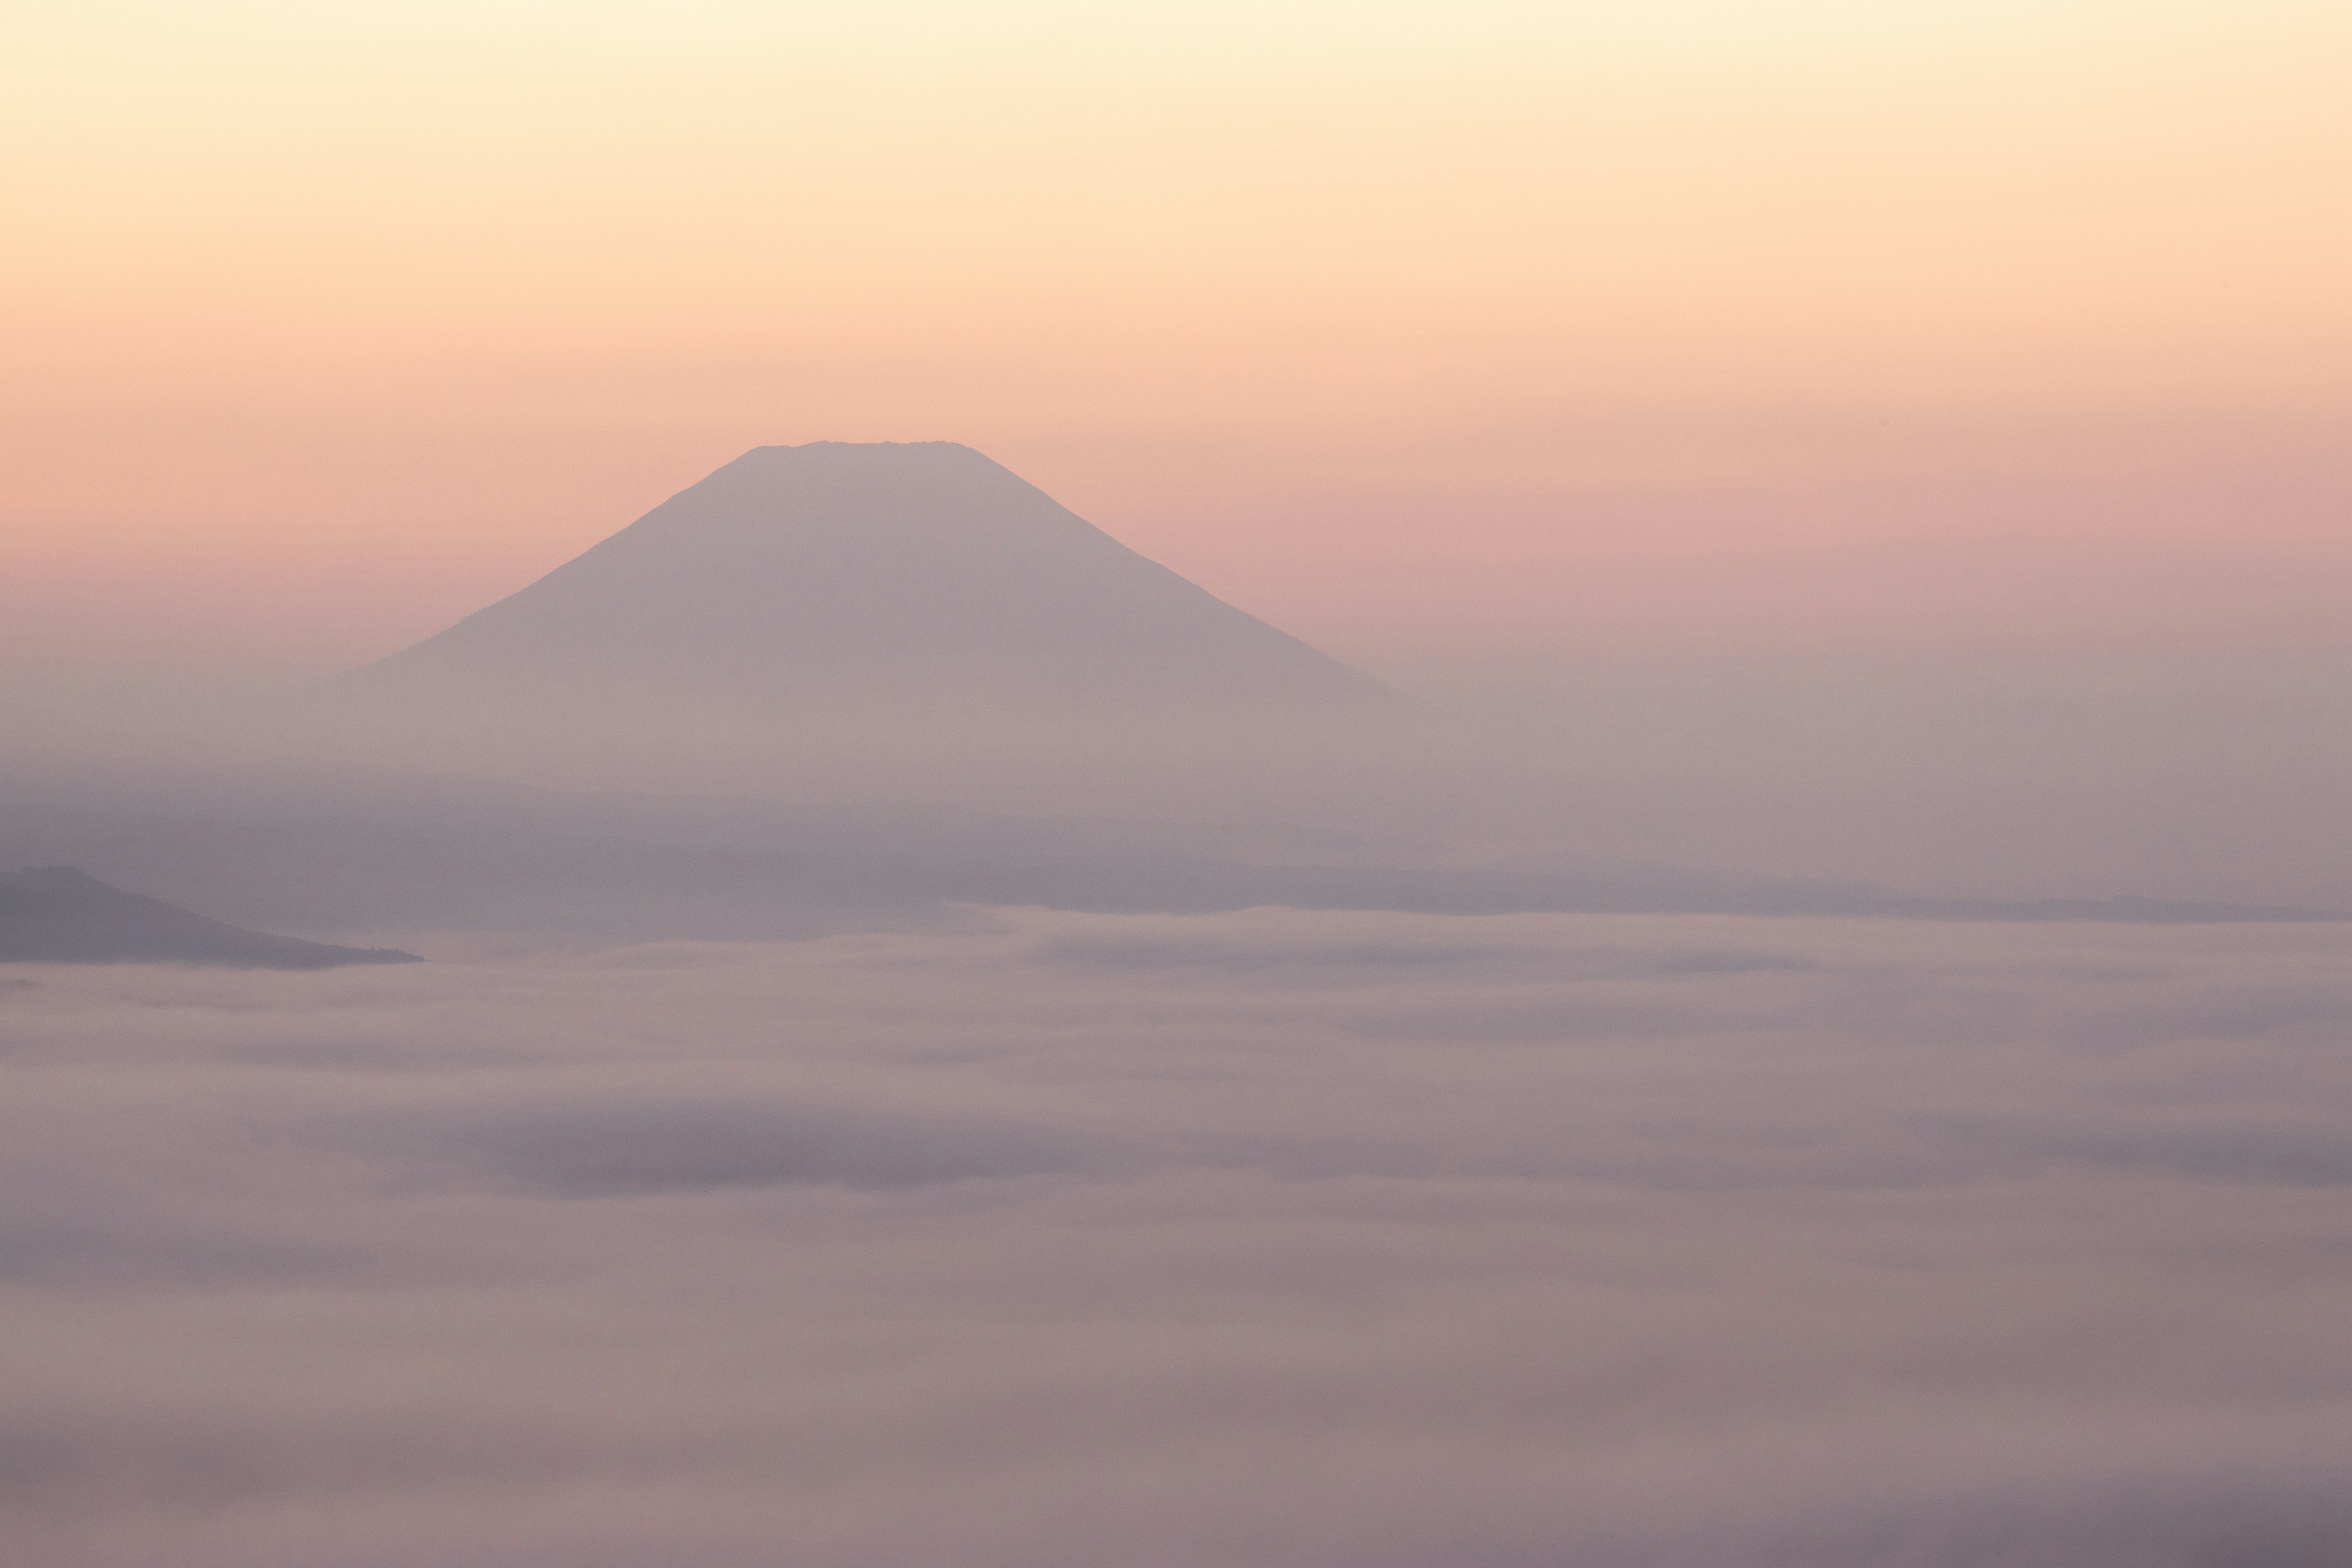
[1270, 1237]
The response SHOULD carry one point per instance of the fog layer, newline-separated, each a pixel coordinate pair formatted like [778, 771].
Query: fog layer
[1267, 1236]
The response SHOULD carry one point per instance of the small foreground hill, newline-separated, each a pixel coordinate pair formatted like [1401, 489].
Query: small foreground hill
[56, 914]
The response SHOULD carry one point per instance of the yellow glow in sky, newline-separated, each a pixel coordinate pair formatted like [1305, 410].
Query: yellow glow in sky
[421, 293]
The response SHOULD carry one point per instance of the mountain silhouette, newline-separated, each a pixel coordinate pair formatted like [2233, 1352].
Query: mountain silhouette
[869, 578]
[56, 914]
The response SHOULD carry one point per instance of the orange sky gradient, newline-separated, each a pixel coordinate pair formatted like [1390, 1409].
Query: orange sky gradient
[1489, 332]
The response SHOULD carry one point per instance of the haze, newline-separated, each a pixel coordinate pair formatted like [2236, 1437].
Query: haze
[1360, 786]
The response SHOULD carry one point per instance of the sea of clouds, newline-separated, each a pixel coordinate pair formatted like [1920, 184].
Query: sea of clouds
[1271, 1238]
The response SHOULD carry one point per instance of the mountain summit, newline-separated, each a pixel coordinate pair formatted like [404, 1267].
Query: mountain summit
[869, 578]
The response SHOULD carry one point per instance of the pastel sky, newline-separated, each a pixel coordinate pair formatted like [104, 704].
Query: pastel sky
[1414, 327]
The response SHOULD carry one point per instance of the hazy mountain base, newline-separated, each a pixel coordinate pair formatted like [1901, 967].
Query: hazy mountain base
[390, 855]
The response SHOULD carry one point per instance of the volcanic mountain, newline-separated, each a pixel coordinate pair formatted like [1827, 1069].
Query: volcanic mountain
[867, 579]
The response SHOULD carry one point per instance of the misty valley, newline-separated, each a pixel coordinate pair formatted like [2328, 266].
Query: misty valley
[861, 1022]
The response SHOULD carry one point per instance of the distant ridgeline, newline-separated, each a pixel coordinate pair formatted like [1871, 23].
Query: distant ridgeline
[54, 914]
[877, 581]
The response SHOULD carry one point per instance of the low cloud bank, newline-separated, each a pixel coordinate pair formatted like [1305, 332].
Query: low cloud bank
[1375, 1240]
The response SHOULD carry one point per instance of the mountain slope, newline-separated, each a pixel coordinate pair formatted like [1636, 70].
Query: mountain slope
[54, 914]
[868, 577]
